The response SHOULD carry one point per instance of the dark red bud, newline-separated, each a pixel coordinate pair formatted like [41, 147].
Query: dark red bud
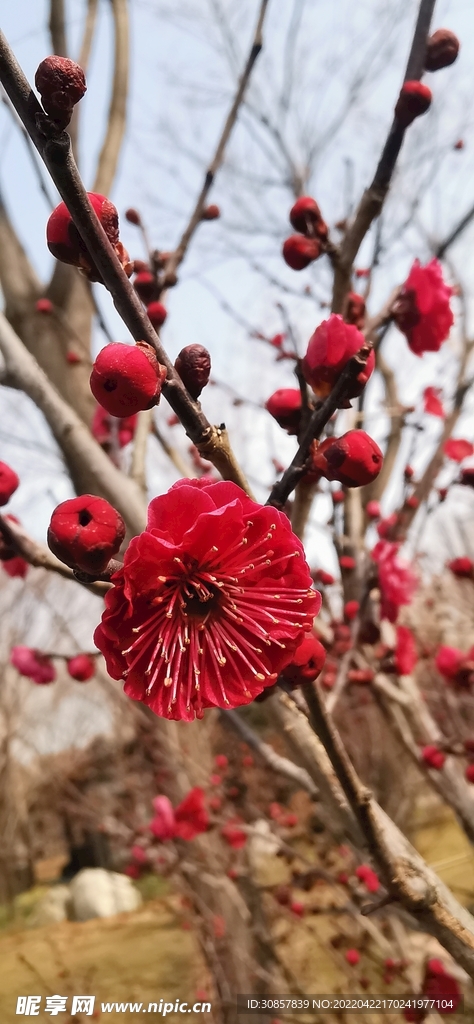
[194, 367]
[211, 212]
[441, 50]
[414, 100]
[61, 84]
[299, 252]
[133, 217]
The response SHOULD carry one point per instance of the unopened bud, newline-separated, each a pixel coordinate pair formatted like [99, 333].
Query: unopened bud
[133, 216]
[441, 50]
[414, 100]
[194, 367]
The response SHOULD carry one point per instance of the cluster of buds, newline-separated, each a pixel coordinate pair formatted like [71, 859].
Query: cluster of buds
[61, 84]
[303, 248]
[40, 668]
[67, 246]
[415, 98]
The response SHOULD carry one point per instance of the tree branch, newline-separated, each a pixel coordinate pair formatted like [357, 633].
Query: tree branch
[374, 196]
[283, 488]
[279, 764]
[212, 442]
[40, 557]
[110, 151]
[178, 255]
[57, 27]
[404, 872]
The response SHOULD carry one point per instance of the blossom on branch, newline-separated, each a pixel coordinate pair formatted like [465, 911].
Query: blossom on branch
[126, 379]
[422, 311]
[285, 407]
[66, 244]
[397, 581]
[211, 603]
[457, 449]
[432, 403]
[331, 346]
[354, 459]
[9, 481]
[32, 664]
[186, 821]
[85, 533]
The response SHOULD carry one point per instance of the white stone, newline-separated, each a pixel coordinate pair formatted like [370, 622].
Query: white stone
[99, 893]
[53, 907]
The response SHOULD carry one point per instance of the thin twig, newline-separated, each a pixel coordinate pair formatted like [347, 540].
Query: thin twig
[212, 442]
[116, 120]
[138, 462]
[374, 196]
[37, 555]
[178, 255]
[279, 764]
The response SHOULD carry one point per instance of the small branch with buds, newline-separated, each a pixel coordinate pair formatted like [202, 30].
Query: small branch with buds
[55, 150]
[343, 387]
[178, 255]
[374, 197]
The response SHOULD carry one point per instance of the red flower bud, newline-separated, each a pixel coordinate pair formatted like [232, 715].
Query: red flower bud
[157, 314]
[44, 306]
[194, 367]
[352, 956]
[85, 533]
[347, 562]
[459, 144]
[146, 286]
[65, 242]
[73, 357]
[461, 567]
[457, 449]
[331, 346]
[211, 212]
[297, 908]
[61, 84]
[354, 459]
[127, 378]
[433, 757]
[414, 100]
[33, 664]
[412, 501]
[355, 310]
[469, 773]
[299, 252]
[305, 215]
[363, 676]
[442, 49]
[81, 667]
[408, 472]
[285, 407]
[133, 217]
[373, 510]
[338, 497]
[307, 662]
[370, 879]
[351, 609]
[9, 481]
[321, 576]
